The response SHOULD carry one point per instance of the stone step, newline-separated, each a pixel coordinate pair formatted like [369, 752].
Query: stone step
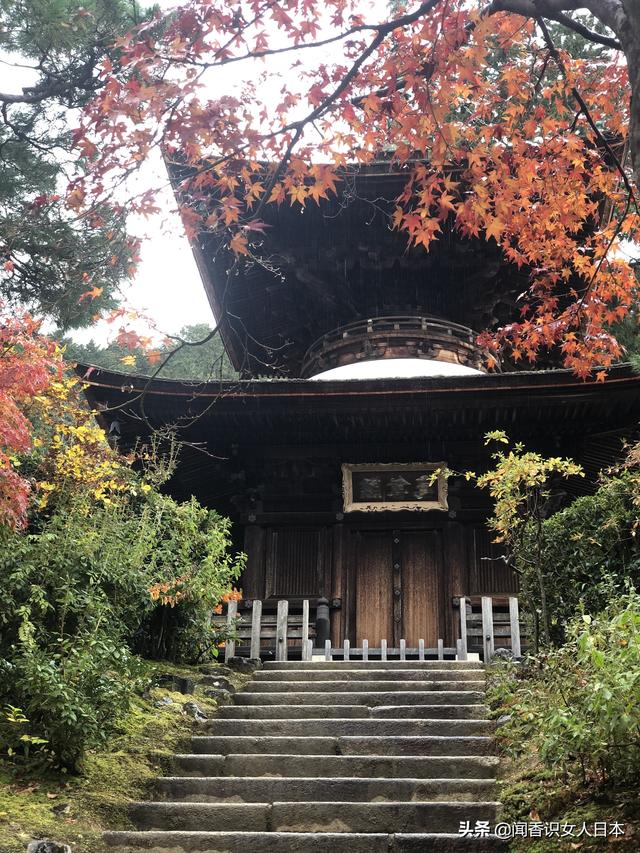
[373, 674]
[391, 767]
[415, 745]
[340, 666]
[311, 816]
[356, 712]
[337, 727]
[349, 687]
[467, 696]
[431, 712]
[201, 817]
[262, 789]
[291, 712]
[289, 842]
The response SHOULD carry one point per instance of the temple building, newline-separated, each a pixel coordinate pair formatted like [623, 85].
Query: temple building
[359, 376]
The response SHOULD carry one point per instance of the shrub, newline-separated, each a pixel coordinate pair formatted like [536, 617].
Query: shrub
[70, 696]
[590, 550]
[578, 706]
[78, 596]
[108, 566]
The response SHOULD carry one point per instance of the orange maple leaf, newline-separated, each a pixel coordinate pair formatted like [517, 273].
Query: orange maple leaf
[239, 244]
[495, 229]
[91, 294]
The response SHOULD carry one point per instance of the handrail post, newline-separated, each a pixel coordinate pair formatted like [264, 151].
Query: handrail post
[281, 630]
[305, 628]
[514, 619]
[327, 650]
[487, 628]
[463, 628]
[230, 645]
[256, 624]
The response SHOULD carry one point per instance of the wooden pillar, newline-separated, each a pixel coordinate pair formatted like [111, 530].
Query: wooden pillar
[396, 556]
[256, 620]
[455, 557]
[463, 628]
[338, 583]
[514, 621]
[230, 645]
[322, 622]
[487, 628]
[281, 630]
[253, 579]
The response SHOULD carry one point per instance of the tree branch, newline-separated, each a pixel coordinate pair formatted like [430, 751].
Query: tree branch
[554, 11]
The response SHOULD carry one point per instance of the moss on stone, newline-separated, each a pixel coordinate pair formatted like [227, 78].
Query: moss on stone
[530, 793]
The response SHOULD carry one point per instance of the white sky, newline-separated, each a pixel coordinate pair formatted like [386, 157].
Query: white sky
[395, 368]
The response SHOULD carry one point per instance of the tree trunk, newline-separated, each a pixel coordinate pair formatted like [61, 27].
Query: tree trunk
[630, 40]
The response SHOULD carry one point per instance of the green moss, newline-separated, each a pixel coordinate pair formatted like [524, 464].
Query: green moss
[77, 809]
[530, 792]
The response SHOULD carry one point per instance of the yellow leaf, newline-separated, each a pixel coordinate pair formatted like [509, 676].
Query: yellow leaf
[298, 193]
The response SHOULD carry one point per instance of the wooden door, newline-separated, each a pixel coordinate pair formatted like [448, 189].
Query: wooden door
[373, 588]
[422, 605]
[398, 587]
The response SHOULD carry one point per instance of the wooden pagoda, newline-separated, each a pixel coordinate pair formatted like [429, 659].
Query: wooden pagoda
[328, 481]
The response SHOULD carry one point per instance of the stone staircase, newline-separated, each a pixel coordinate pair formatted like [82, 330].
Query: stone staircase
[333, 756]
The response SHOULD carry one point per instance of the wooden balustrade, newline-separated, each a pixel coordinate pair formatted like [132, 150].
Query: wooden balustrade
[490, 623]
[486, 624]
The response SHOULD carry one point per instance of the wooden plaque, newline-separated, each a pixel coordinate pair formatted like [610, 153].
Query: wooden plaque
[392, 486]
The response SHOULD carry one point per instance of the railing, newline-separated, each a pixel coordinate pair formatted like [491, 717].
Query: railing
[487, 624]
[397, 336]
[268, 633]
[383, 652]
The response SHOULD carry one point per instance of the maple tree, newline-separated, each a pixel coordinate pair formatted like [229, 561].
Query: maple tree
[29, 364]
[500, 131]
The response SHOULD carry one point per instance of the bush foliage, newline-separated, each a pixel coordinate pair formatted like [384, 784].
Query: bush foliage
[590, 550]
[578, 706]
[108, 567]
[79, 598]
[581, 556]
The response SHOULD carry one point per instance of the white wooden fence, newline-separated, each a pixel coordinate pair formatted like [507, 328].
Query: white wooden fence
[483, 631]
